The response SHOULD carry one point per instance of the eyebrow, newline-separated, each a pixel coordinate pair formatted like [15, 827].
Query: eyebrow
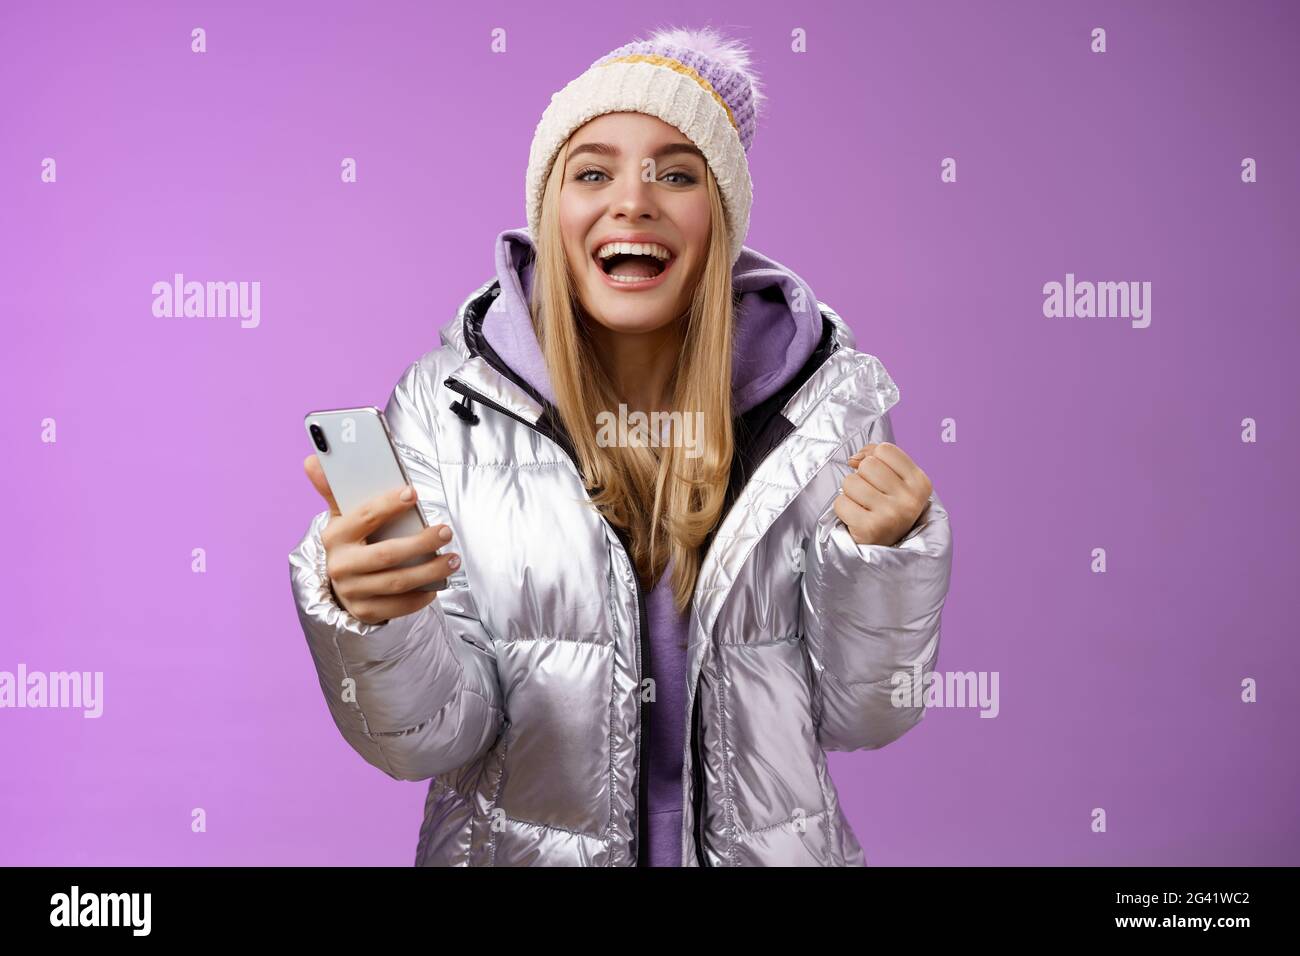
[606, 149]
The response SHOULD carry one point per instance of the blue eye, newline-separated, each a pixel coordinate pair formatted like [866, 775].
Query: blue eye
[580, 176]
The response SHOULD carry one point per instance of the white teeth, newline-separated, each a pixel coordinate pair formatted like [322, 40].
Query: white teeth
[633, 249]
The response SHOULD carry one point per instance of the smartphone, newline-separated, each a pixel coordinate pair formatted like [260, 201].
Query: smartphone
[357, 454]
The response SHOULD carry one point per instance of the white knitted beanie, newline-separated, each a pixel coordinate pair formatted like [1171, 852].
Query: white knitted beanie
[695, 80]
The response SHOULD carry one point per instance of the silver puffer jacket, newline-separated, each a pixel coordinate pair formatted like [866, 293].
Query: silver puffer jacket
[517, 690]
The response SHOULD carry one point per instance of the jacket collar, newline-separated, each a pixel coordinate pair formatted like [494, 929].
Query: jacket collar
[480, 369]
[484, 372]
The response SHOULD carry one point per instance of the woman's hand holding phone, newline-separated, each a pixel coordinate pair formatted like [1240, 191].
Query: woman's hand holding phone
[364, 576]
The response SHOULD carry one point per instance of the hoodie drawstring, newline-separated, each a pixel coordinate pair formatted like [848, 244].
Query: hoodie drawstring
[463, 410]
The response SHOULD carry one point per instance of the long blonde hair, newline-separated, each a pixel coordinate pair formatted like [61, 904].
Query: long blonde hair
[654, 494]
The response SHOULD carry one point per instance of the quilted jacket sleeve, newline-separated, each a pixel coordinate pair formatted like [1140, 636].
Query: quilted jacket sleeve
[872, 615]
[418, 695]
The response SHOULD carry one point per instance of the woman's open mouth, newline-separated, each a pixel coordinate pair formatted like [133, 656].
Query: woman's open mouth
[630, 266]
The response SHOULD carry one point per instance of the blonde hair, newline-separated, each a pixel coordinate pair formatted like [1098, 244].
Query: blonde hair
[656, 495]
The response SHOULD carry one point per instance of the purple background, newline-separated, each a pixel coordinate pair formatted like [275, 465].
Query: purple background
[1118, 690]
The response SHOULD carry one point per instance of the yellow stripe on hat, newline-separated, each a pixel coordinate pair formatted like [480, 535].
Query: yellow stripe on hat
[680, 67]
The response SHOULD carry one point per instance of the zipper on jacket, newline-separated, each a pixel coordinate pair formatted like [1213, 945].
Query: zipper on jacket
[643, 785]
[642, 816]
[697, 797]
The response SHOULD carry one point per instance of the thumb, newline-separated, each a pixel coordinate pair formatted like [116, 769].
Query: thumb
[857, 458]
[317, 475]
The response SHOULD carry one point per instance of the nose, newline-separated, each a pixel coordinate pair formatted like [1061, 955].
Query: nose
[634, 198]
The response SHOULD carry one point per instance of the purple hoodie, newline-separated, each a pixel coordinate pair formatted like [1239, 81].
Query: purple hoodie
[778, 326]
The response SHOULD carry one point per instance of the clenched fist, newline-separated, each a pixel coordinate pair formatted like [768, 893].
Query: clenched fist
[883, 496]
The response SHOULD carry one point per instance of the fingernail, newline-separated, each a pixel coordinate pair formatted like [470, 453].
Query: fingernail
[445, 534]
[453, 562]
[408, 493]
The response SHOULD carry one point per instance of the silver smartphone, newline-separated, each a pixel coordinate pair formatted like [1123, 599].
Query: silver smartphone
[357, 454]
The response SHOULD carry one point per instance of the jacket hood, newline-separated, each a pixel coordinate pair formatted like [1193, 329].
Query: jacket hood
[778, 322]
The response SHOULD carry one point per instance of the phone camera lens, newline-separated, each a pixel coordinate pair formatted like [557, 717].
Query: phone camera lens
[318, 436]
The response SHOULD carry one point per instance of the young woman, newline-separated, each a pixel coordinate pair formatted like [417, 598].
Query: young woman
[656, 624]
